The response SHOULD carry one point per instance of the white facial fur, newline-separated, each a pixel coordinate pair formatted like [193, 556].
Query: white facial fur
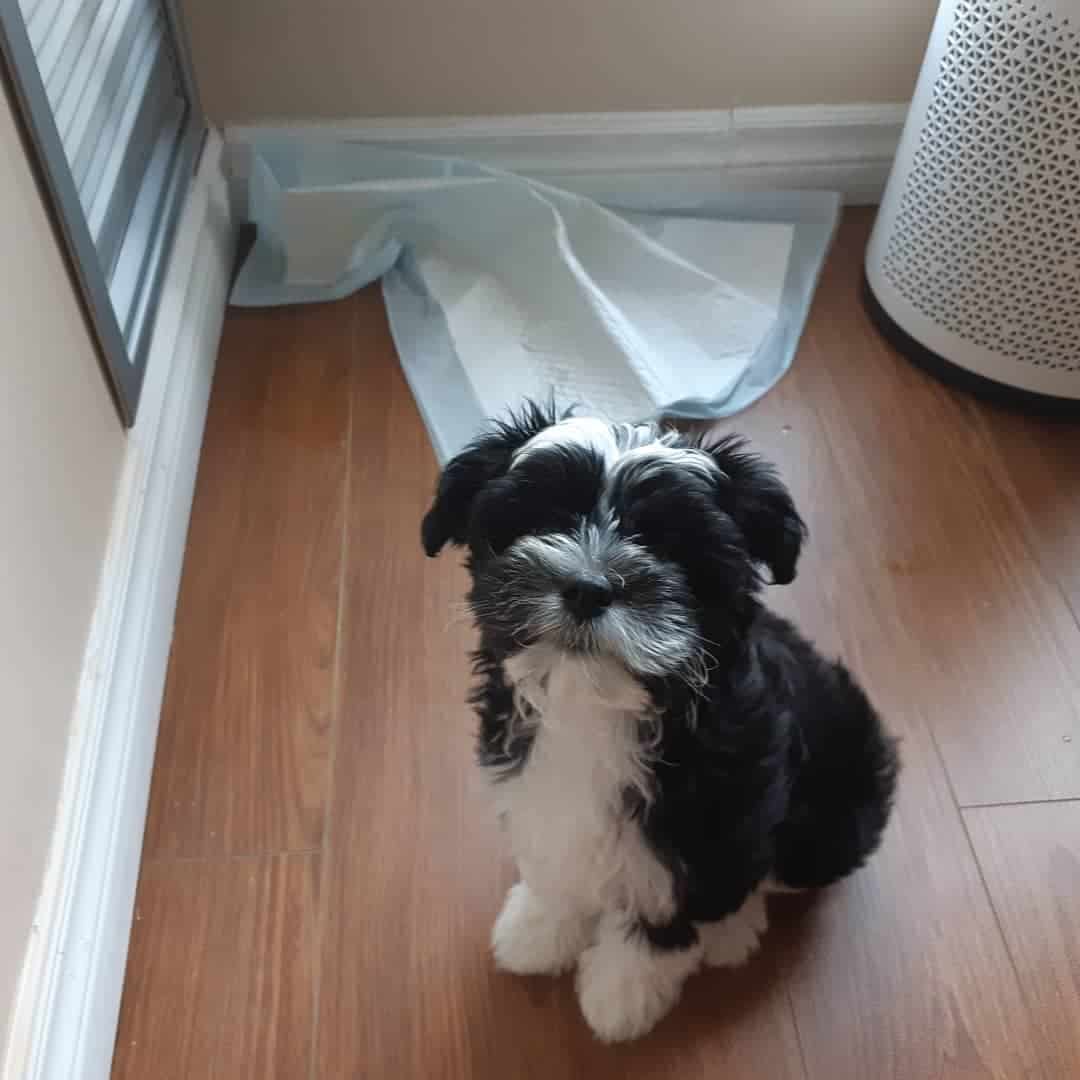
[648, 646]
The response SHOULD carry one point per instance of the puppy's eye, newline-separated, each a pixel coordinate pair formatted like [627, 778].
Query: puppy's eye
[549, 492]
[502, 516]
[673, 524]
[506, 531]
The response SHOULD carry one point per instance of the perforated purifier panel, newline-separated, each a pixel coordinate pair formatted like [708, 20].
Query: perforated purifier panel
[984, 239]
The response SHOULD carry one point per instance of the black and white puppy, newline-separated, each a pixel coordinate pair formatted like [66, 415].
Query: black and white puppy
[664, 749]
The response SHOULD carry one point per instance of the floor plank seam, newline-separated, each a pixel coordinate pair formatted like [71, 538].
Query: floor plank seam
[1016, 802]
[228, 856]
[1013, 965]
[798, 1034]
[978, 418]
[335, 713]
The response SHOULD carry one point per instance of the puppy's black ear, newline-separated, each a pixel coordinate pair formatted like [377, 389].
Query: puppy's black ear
[753, 494]
[465, 476]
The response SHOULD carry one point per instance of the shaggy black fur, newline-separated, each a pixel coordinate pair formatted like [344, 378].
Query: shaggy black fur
[777, 765]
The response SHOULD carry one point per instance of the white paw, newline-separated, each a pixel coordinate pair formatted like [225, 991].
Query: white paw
[528, 939]
[732, 941]
[625, 986]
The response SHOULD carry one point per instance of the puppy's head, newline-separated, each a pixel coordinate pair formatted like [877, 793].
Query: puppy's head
[622, 541]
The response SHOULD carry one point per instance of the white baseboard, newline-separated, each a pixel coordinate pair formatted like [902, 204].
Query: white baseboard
[846, 148]
[64, 1022]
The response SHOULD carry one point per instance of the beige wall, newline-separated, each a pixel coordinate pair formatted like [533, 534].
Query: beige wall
[260, 59]
[61, 446]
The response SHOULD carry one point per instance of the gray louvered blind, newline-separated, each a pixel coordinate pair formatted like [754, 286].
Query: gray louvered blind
[109, 98]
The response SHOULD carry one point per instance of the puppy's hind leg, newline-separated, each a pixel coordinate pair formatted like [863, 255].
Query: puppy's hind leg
[842, 798]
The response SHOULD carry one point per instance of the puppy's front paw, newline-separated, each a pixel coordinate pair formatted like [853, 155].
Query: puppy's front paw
[732, 941]
[625, 986]
[530, 939]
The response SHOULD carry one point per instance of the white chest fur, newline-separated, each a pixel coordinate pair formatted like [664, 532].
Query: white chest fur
[564, 812]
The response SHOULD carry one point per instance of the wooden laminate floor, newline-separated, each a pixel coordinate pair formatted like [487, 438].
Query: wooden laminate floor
[321, 869]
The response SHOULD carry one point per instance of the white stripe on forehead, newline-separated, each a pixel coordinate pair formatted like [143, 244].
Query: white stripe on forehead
[657, 454]
[584, 431]
[622, 446]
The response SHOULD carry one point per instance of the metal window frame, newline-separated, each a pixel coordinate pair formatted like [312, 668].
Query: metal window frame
[125, 359]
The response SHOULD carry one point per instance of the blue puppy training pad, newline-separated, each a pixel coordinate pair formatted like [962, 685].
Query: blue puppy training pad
[627, 295]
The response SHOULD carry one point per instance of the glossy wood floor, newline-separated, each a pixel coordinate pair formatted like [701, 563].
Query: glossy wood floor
[321, 869]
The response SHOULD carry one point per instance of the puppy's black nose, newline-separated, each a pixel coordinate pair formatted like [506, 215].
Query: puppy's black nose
[586, 596]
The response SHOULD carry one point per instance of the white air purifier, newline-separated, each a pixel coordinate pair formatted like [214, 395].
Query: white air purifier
[973, 268]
